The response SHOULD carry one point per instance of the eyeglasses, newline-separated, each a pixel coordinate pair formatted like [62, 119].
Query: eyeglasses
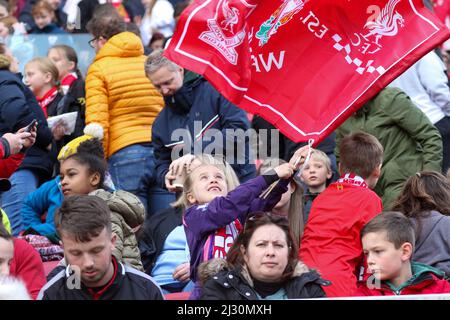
[91, 42]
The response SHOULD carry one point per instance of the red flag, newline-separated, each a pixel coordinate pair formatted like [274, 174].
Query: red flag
[304, 66]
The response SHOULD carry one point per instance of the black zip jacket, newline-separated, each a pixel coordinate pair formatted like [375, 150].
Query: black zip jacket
[126, 284]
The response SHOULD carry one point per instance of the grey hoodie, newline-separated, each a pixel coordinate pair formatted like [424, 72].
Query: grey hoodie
[433, 242]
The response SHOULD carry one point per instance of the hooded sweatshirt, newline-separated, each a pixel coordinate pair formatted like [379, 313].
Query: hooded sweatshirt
[433, 241]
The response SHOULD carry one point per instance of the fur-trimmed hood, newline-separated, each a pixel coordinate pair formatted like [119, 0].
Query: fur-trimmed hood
[212, 267]
[5, 62]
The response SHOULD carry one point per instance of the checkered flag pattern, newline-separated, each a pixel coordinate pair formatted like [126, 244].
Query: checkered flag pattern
[358, 63]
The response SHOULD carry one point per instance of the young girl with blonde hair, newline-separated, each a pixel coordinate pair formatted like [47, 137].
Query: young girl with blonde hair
[215, 214]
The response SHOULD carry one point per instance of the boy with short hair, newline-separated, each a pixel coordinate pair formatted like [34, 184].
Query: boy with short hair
[388, 244]
[330, 242]
[44, 17]
[83, 223]
[315, 176]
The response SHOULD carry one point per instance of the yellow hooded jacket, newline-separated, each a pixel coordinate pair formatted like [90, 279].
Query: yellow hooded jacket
[119, 96]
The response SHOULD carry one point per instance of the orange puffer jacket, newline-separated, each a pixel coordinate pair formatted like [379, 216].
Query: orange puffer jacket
[118, 94]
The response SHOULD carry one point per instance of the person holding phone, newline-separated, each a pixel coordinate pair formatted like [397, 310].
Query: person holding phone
[18, 108]
[12, 149]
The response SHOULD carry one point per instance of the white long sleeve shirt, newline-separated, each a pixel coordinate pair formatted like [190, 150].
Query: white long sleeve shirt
[426, 83]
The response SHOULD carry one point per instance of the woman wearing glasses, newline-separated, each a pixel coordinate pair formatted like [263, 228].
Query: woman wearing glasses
[262, 264]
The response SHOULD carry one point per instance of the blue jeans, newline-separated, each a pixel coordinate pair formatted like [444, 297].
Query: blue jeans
[23, 182]
[133, 169]
[188, 287]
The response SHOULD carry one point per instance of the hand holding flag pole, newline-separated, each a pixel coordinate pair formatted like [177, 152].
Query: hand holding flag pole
[299, 161]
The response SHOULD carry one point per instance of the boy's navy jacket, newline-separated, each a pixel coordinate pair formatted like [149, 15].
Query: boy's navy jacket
[198, 101]
[50, 28]
[18, 107]
[127, 283]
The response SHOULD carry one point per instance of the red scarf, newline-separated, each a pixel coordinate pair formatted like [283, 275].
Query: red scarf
[223, 239]
[47, 99]
[67, 81]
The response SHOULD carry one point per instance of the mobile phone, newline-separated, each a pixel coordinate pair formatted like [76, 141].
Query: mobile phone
[29, 127]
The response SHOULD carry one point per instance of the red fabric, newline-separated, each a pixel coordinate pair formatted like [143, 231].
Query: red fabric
[304, 66]
[96, 295]
[442, 9]
[224, 238]
[432, 286]
[18, 9]
[9, 165]
[27, 265]
[177, 296]
[48, 97]
[67, 81]
[331, 240]
[120, 9]
[49, 266]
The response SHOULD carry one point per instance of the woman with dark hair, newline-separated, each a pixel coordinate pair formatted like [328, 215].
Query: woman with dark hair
[425, 199]
[262, 264]
[72, 86]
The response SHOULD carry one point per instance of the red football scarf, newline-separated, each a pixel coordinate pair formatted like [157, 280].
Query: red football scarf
[47, 99]
[353, 179]
[223, 239]
[67, 81]
[305, 66]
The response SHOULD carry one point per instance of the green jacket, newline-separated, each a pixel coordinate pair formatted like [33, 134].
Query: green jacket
[411, 143]
[127, 212]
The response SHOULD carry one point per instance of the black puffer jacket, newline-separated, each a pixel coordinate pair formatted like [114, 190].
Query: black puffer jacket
[237, 284]
[127, 284]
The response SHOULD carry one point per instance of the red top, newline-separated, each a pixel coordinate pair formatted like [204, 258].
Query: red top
[27, 266]
[9, 165]
[431, 285]
[331, 241]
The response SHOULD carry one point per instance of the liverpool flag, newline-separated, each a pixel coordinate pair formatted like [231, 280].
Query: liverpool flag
[305, 66]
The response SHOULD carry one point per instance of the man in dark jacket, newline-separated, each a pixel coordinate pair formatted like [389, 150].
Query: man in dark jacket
[195, 107]
[84, 226]
[18, 107]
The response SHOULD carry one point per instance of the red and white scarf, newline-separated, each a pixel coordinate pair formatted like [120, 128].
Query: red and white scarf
[47, 99]
[221, 241]
[67, 81]
[353, 179]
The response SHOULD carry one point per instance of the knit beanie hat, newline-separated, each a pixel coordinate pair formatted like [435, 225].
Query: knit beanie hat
[92, 130]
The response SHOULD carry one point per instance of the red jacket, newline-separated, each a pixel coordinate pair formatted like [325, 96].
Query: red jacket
[331, 241]
[27, 265]
[425, 280]
[9, 165]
